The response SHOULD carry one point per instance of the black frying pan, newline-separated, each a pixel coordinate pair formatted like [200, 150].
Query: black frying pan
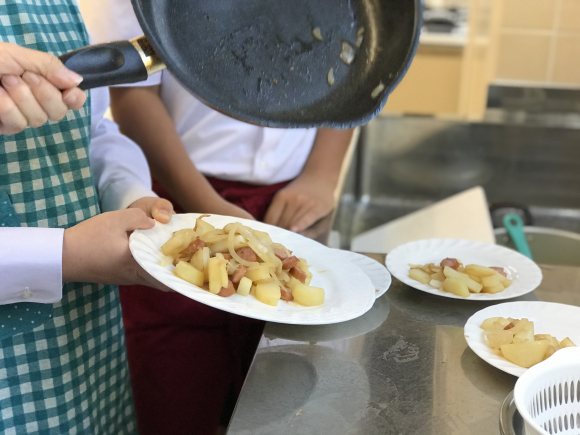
[259, 60]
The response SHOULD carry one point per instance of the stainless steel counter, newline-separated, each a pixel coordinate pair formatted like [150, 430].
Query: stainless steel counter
[402, 368]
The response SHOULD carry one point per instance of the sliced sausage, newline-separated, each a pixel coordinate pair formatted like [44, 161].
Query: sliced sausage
[227, 291]
[280, 254]
[238, 274]
[196, 245]
[247, 254]
[227, 256]
[286, 294]
[500, 270]
[450, 262]
[299, 274]
[289, 263]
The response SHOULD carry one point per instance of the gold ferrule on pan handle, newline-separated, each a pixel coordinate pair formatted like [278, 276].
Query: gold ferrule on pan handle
[151, 60]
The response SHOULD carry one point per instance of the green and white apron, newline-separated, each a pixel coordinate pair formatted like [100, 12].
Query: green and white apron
[63, 367]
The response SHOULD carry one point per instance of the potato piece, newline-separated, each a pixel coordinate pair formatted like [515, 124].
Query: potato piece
[244, 287]
[253, 291]
[493, 290]
[435, 283]
[525, 354]
[420, 275]
[524, 331]
[259, 274]
[268, 293]
[434, 268]
[504, 281]
[494, 323]
[475, 278]
[178, 242]
[491, 280]
[202, 227]
[215, 275]
[305, 267]
[455, 286]
[567, 343]
[498, 338]
[551, 350]
[197, 260]
[224, 272]
[474, 269]
[189, 273]
[307, 295]
[473, 287]
[438, 276]
[539, 337]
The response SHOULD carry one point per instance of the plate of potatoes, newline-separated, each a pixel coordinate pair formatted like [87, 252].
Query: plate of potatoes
[515, 336]
[348, 291]
[464, 269]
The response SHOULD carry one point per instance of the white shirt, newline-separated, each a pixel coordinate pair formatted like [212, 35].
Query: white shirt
[31, 258]
[218, 145]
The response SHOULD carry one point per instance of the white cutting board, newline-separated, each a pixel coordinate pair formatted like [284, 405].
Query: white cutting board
[462, 216]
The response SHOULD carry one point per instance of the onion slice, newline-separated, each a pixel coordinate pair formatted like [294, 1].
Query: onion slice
[233, 252]
[347, 53]
[376, 91]
[317, 34]
[330, 77]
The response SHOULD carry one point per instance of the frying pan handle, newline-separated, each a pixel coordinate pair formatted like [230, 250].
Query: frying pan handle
[112, 63]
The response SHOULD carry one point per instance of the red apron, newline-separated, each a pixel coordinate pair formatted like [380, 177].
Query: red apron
[188, 361]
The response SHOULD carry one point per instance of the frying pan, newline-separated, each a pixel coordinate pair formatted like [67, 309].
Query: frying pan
[259, 60]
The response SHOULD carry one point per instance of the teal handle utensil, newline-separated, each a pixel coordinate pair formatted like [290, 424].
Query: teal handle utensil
[514, 225]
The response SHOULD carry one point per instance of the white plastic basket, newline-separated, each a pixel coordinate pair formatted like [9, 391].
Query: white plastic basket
[548, 395]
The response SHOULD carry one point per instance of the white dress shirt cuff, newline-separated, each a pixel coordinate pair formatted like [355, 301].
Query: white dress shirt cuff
[31, 265]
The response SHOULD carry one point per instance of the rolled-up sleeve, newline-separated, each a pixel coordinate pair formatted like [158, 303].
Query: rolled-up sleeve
[119, 166]
[30, 265]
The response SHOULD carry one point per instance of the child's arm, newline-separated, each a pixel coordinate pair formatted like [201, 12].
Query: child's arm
[310, 196]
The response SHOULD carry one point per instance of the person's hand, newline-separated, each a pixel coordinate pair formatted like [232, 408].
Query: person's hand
[36, 87]
[97, 250]
[301, 203]
[157, 208]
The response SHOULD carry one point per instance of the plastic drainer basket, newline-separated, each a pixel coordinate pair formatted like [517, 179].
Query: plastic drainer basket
[548, 395]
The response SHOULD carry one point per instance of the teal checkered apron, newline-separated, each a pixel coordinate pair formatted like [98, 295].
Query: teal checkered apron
[63, 367]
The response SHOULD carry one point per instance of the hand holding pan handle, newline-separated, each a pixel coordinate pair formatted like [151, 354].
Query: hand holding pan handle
[113, 63]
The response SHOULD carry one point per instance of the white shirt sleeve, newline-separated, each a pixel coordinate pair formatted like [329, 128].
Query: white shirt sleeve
[30, 265]
[119, 166]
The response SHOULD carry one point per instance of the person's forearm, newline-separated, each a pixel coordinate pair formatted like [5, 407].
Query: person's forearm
[142, 116]
[328, 151]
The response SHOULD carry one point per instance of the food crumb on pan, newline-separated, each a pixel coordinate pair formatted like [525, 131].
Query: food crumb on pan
[330, 77]
[299, 412]
[275, 81]
[317, 33]
[376, 91]
[359, 37]
[347, 53]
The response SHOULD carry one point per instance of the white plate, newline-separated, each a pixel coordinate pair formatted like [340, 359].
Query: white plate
[525, 274]
[349, 292]
[559, 320]
[378, 274]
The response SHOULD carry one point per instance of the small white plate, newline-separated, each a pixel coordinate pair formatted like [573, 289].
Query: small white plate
[378, 274]
[349, 291]
[525, 274]
[559, 320]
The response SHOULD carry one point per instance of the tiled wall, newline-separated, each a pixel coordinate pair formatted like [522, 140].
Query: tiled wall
[539, 41]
